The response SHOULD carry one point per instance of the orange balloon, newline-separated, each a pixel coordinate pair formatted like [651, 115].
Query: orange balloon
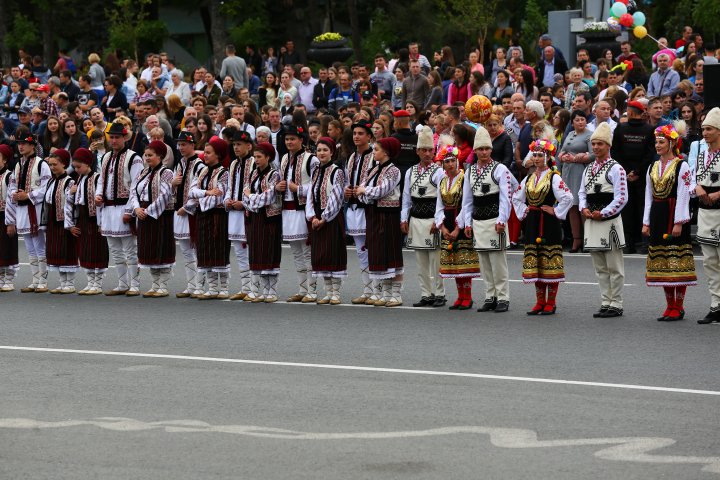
[478, 108]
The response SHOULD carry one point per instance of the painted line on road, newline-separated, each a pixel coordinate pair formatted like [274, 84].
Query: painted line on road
[365, 369]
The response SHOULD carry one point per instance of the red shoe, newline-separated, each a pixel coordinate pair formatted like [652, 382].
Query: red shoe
[466, 304]
[456, 305]
[665, 315]
[548, 309]
[674, 315]
[536, 309]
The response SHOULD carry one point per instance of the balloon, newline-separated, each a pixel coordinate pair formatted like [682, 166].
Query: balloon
[626, 20]
[640, 31]
[631, 6]
[613, 24]
[478, 108]
[618, 9]
[623, 1]
[639, 19]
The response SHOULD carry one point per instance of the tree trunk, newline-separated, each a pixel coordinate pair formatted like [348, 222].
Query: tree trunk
[218, 33]
[355, 26]
[5, 55]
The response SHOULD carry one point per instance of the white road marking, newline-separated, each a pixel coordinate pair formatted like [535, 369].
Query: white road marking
[364, 369]
[623, 449]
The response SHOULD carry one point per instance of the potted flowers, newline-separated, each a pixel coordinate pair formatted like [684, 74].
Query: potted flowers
[329, 48]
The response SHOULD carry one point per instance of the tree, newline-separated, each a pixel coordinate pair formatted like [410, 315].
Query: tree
[470, 17]
[705, 15]
[535, 24]
[130, 29]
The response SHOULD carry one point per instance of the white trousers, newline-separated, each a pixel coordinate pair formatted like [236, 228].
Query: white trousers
[711, 265]
[190, 257]
[302, 256]
[493, 266]
[123, 251]
[35, 245]
[428, 263]
[610, 272]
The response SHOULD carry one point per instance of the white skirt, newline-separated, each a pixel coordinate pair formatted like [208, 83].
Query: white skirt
[294, 225]
[419, 236]
[708, 227]
[604, 235]
[236, 225]
[355, 221]
[181, 227]
[485, 238]
[112, 222]
[22, 218]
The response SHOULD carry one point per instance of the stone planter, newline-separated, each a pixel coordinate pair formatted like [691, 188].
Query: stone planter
[328, 53]
[596, 42]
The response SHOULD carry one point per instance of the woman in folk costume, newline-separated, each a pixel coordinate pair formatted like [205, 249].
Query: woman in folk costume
[381, 193]
[239, 176]
[153, 205]
[185, 226]
[26, 191]
[542, 200]
[458, 259]
[666, 221]
[61, 245]
[82, 218]
[8, 244]
[264, 223]
[487, 194]
[213, 246]
[323, 211]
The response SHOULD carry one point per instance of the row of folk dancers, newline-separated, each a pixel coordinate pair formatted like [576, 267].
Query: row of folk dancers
[135, 210]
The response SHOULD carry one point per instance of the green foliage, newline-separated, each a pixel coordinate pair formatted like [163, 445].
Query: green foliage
[252, 31]
[130, 30]
[24, 32]
[705, 16]
[535, 24]
[376, 40]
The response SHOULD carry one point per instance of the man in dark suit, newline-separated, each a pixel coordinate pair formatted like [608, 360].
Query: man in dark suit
[548, 67]
[322, 89]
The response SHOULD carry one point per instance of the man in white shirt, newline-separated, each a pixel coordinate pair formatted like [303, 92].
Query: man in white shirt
[602, 115]
[238, 113]
[306, 88]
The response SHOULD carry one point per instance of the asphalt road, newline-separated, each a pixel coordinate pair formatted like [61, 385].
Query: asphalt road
[119, 388]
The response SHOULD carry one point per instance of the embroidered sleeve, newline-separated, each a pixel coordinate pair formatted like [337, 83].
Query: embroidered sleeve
[335, 199]
[70, 208]
[406, 199]
[133, 203]
[156, 208]
[305, 187]
[222, 185]
[467, 200]
[582, 194]
[439, 209]
[507, 184]
[518, 200]
[563, 196]
[309, 210]
[256, 201]
[38, 194]
[648, 198]
[685, 185]
[195, 191]
[390, 180]
[10, 206]
[620, 191]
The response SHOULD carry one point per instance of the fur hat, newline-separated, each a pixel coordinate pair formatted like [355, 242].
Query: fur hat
[712, 119]
[482, 139]
[602, 133]
[158, 147]
[391, 145]
[266, 148]
[425, 138]
[83, 155]
[7, 152]
[63, 155]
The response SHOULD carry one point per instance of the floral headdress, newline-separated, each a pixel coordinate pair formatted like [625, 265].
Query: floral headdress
[544, 145]
[670, 132]
[447, 151]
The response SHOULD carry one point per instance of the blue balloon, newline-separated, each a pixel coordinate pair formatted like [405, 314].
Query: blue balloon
[639, 19]
[618, 9]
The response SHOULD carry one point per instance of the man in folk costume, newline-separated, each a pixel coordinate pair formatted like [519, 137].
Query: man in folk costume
[8, 244]
[26, 191]
[707, 179]
[213, 246]
[487, 197]
[418, 220]
[602, 196]
[82, 218]
[239, 176]
[61, 244]
[296, 170]
[184, 225]
[120, 167]
[153, 205]
[356, 172]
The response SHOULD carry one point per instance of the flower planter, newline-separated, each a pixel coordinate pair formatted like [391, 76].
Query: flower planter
[596, 42]
[329, 52]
